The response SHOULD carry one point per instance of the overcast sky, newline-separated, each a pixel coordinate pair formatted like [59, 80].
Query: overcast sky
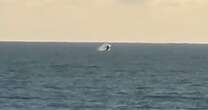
[104, 20]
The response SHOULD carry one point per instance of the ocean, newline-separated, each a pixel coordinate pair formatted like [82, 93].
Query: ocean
[75, 76]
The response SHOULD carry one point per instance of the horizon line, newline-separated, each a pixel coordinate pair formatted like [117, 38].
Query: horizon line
[127, 42]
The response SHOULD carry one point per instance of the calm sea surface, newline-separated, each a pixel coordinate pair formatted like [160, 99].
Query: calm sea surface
[75, 76]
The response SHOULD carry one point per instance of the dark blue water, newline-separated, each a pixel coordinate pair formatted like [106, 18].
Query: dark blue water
[67, 76]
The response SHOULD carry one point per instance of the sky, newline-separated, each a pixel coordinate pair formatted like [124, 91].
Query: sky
[156, 21]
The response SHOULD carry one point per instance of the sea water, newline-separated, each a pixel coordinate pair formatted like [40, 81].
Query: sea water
[75, 76]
